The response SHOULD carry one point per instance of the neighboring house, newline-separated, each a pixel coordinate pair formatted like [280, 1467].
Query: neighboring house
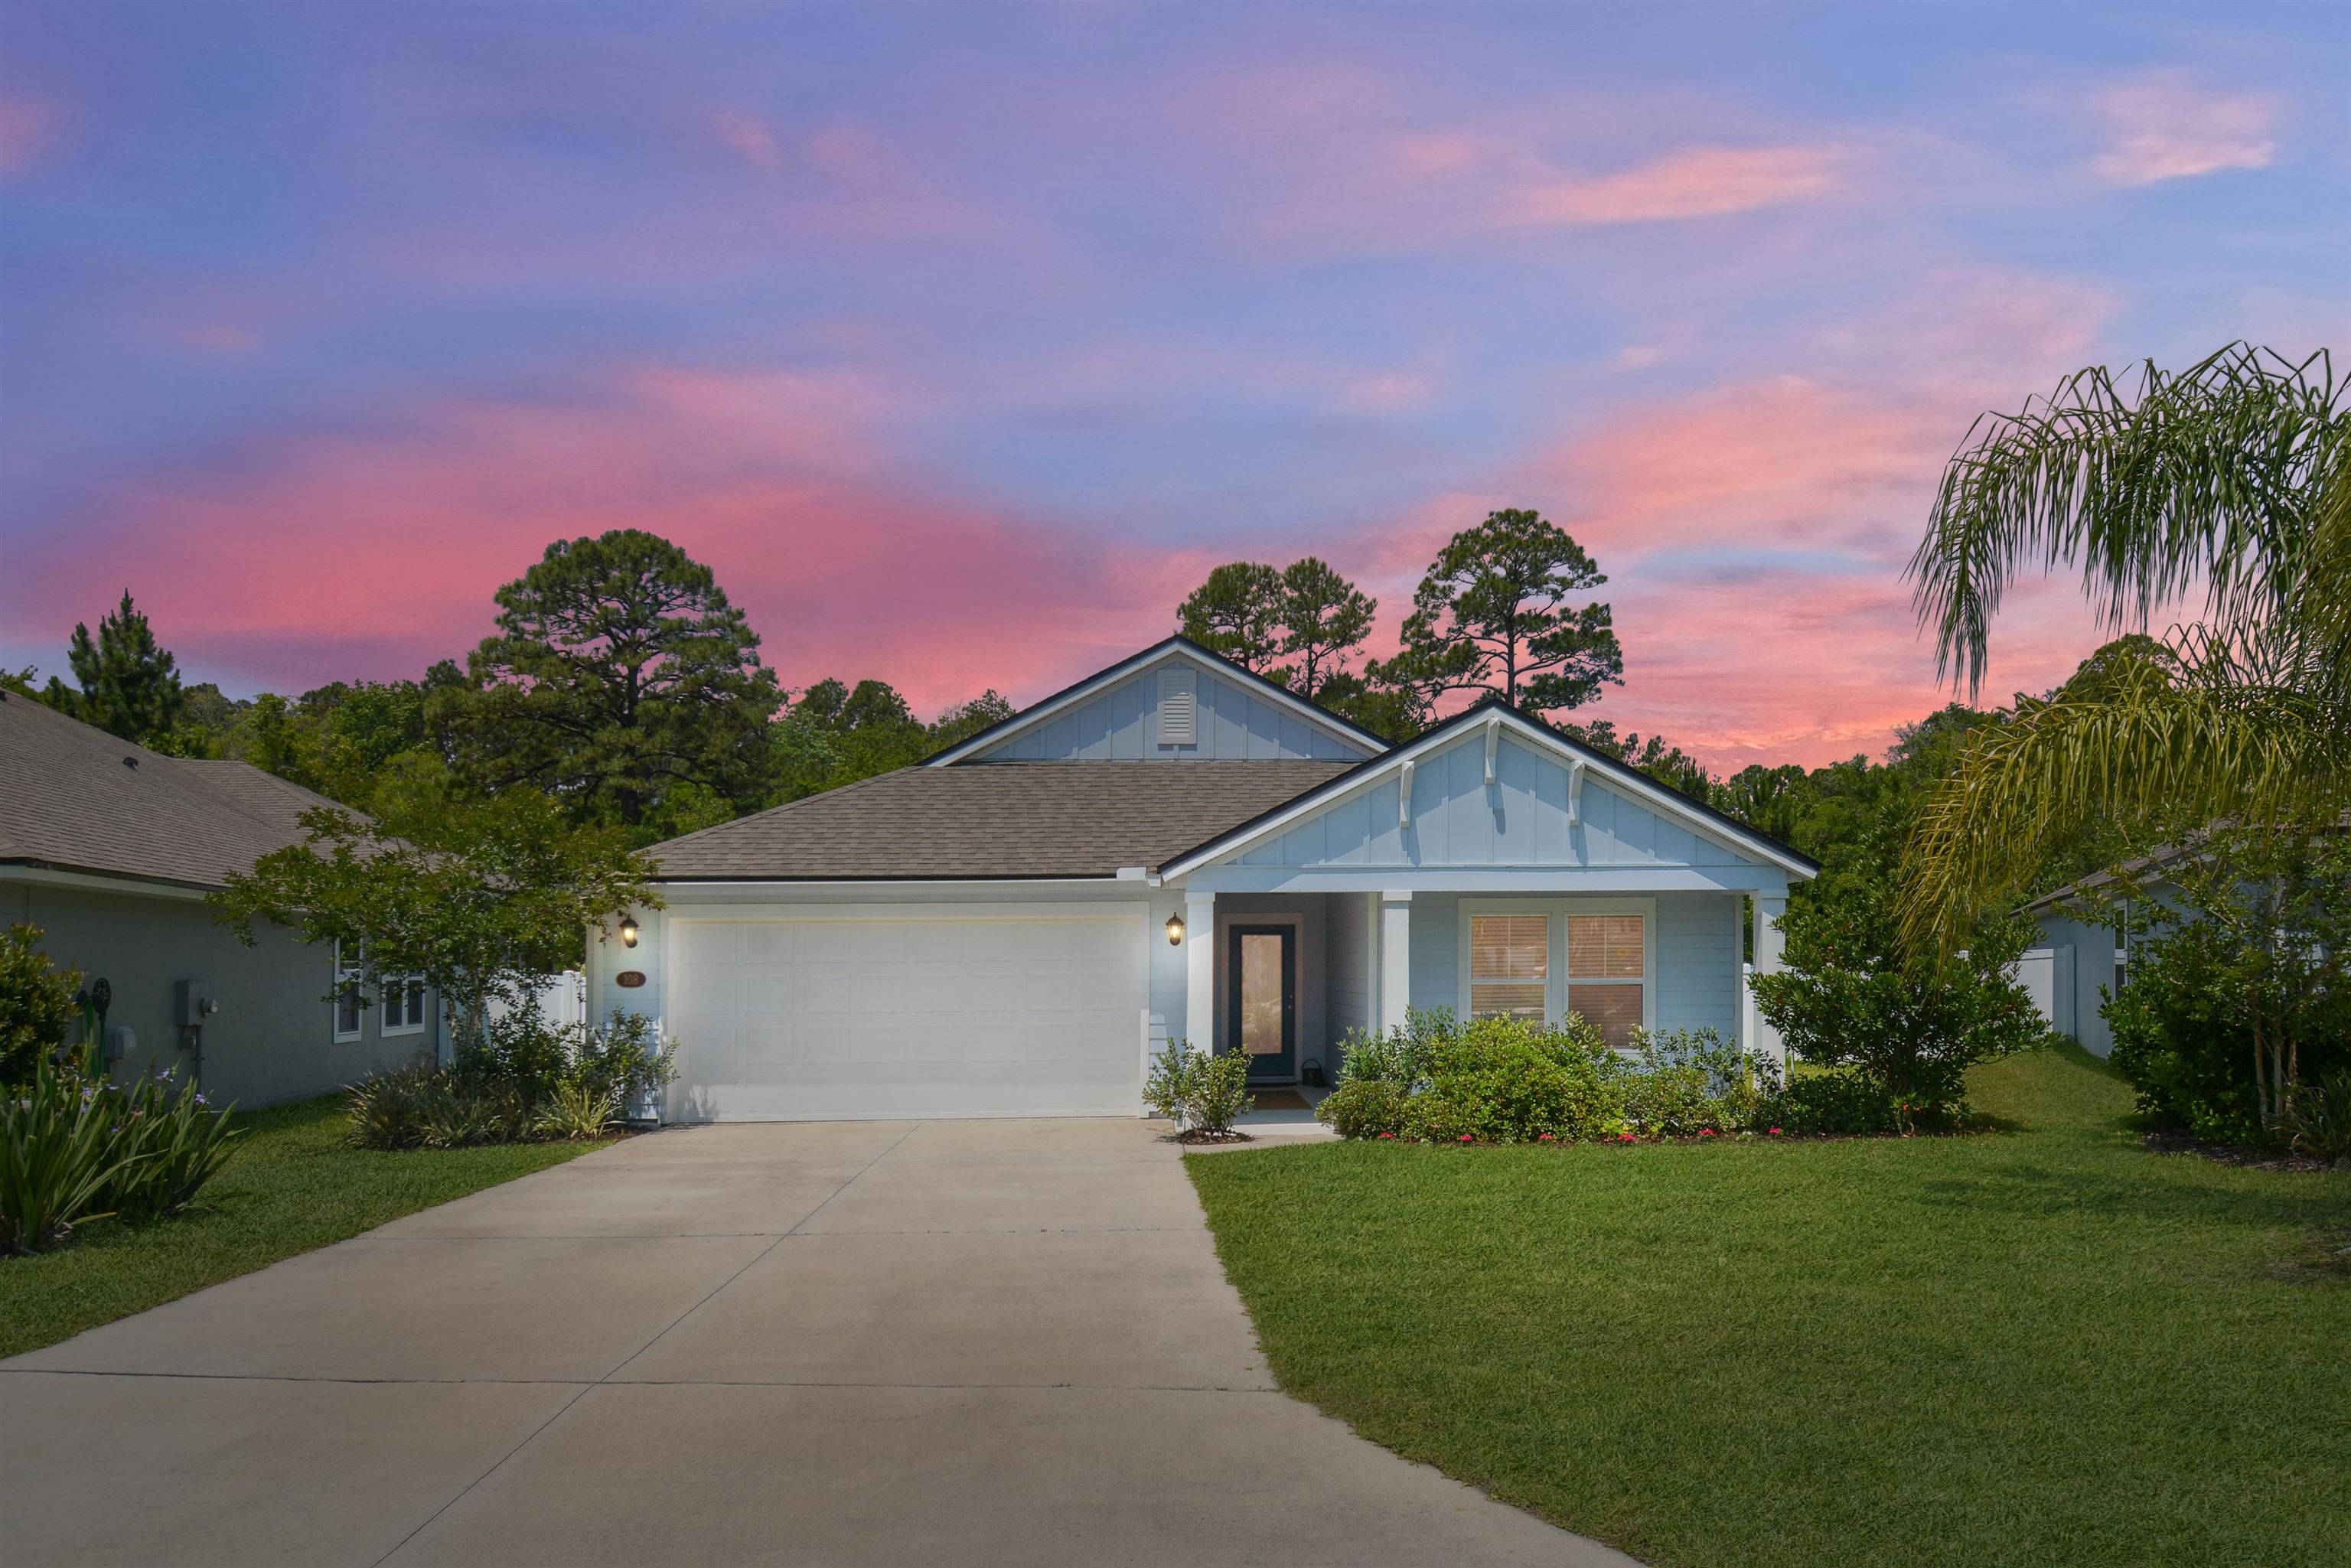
[111, 848]
[1175, 849]
[2084, 956]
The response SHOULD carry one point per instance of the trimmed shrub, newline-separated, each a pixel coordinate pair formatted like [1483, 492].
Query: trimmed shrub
[1844, 1101]
[1507, 1081]
[1365, 1108]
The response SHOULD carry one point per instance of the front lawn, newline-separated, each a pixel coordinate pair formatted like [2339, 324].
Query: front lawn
[2041, 1346]
[293, 1185]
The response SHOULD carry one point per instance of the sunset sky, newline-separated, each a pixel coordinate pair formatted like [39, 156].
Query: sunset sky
[962, 340]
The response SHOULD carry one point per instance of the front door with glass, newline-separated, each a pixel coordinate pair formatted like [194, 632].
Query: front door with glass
[1262, 1017]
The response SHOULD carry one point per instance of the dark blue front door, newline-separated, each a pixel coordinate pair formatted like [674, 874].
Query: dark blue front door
[1261, 978]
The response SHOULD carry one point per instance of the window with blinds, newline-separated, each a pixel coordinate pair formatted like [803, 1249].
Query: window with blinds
[1510, 966]
[1607, 967]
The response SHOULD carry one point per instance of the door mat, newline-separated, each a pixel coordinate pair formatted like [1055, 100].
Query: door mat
[1280, 1100]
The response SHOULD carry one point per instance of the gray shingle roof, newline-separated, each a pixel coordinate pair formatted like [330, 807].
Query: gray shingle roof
[989, 820]
[68, 800]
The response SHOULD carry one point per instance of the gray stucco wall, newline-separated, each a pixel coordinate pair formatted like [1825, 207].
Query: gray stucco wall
[273, 1039]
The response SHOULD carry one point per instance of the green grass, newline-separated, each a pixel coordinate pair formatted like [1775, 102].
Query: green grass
[293, 1185]
[2041, 1346]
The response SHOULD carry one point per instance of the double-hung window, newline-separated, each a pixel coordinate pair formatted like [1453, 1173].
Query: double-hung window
[404, 1003]
[347, 998]
[1607, 973]
[1541, 961]
[1509, 966]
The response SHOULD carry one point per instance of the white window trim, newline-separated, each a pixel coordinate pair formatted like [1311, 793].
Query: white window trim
[424, 1006]
[1555, 983]
[344, 977]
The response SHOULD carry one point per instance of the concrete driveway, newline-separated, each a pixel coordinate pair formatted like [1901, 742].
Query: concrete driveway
[840, 1343]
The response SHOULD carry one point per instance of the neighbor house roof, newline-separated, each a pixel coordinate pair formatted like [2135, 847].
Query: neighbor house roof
[991, 820]
[74, 797]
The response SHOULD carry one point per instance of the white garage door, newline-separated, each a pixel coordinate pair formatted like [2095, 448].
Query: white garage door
[944, 1011]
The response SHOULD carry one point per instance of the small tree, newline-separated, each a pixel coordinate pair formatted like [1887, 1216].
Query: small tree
[483, 898]
[1492, 617]
[1847, 999]
[2267, 912]
[1238, 613]
[37, 1004]
[129, 685]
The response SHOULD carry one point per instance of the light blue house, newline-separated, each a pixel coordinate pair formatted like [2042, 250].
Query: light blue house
[1175, 849]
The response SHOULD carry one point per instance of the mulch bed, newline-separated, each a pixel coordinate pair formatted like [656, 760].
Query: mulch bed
[2227, 1154]
[1194, 1135]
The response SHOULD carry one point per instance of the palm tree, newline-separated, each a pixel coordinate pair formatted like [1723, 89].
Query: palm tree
[2231, 482]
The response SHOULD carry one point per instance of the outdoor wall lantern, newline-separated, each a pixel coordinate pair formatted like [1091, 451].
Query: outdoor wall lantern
[628, 930]
[1174, 931]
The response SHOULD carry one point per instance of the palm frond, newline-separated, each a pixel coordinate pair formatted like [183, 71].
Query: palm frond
[2166, 752]
[2213, 478]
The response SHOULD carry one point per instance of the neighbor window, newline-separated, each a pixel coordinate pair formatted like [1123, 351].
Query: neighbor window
[347, 996]
[1606, 971]
[404, 1004]
[1510, 966]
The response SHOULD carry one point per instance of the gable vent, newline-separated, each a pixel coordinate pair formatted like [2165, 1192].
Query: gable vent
[1179, 708]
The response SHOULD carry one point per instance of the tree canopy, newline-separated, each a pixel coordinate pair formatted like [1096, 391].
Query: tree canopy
[482, 897]
[125, 681]
[1237, 614]
[619, 675]
[1492, 617]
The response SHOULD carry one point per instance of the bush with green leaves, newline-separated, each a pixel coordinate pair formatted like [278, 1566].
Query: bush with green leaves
[527, 1079]
[166, 1142]
[1517, 1081]
[1197, 1092]
[2318, 1121]
[37, 1004]
[1841, 1103]
[1850, 998]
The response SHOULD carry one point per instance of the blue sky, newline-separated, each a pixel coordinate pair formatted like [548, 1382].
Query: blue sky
[962, 339]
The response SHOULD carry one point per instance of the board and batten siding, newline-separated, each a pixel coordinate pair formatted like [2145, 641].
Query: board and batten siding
[1121, 723]
[1457, 820]
[1348, 946]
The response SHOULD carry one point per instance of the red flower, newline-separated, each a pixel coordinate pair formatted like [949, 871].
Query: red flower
[1706, 1131]
[1627, 1137]
[1392, 1134]
[1468, 1137]
[1775, 1132]
[1543, 1137]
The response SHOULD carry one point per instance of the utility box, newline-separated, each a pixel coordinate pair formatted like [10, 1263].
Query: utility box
[192, 1003]
[122, 1040]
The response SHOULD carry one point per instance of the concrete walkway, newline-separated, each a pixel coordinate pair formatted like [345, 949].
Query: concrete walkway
[954, 1343]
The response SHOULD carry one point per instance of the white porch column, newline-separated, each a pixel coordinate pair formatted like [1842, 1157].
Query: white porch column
[1396, 956]
[1771, 944]
[1200, 971]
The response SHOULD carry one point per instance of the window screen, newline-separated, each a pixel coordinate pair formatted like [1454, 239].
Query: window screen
[1510, 966]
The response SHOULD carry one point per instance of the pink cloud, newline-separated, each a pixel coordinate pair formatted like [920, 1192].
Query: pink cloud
[330, 556]
[745, 135]
[1702, 181]
[30, 128]
[2162, 126]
